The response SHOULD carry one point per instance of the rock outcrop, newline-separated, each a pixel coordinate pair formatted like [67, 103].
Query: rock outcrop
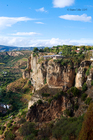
[89, 78]
[15, 53]
[47, 112]
[50, 72]
[60, 76]
[81, 76]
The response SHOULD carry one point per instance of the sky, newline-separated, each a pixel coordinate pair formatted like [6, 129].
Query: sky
[36, 23]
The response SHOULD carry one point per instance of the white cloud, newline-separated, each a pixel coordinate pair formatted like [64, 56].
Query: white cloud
[62, 3]
[25, 33]
[32, 42]
[83, 17]
[41, 10]
[39, 22]
[9, 21]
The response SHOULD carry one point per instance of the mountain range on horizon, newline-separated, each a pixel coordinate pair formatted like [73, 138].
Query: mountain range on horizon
[4, 48]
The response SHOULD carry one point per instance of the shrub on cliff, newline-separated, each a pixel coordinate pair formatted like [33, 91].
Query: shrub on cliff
[49, 100]
[22, 120]
[9, 135]
[30, 137]
[76, 107]
[92, 82]
[45, 94]
[9, 124]
[67, 112]
[39, 102]
[66, 127]
[88, 70]
[27, 128]
[88, 100]
[84, 87]
[83, 96]
[74, 91]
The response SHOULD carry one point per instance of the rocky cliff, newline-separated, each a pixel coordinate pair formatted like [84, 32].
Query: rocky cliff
[46, 112]
[53, 73]
[84, 74]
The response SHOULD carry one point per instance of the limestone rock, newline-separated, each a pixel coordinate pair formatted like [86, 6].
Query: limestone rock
[50, 72]
[89, 78]
[47, 112]
[79, 78]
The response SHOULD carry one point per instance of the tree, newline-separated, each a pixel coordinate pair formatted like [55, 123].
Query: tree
[35, 49]
[46, 49]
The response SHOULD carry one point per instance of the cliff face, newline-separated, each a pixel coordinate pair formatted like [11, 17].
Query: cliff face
[60, 76]
[50, 72]
[15, 53]
[47, 112]
[81, 76]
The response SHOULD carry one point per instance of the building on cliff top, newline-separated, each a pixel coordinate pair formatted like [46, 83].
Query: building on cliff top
[53, 56]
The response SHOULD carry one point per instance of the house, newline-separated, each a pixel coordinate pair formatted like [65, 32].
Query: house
[60, 53]
[78, 49]
[53, 56]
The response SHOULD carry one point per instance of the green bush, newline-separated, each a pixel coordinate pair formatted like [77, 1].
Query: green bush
[29, 82]
[62, 93]
[74, 91]
[13, 126]
[30, 137]
[56, 96]
[45, 94]
[66, 127]
[39, 102]
[9, 125]
[84, 87]
[67, 112]
[2, 128]
[76, 107]
[27, 128]
[1, 132]
[45, 81]
[26, 70]
[83, 96]
[9, 135]
[92, 82]
[88, 100]
[49, 100]
[22, 120]
[31, 93]
[87, 72]
[31, 70]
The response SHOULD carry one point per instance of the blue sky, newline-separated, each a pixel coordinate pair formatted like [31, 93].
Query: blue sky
[29, 23]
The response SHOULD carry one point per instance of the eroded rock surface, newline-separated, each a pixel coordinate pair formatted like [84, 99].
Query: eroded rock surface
[47, 112]
[50, 72]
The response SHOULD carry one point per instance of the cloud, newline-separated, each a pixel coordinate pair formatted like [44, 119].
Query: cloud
[32, 42]
[62, 3]
[39, 22]
[9, 21]
[41, 10]
[25, 33]
[83, 17]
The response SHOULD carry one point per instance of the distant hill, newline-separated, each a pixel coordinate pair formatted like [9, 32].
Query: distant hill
[12, 48]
